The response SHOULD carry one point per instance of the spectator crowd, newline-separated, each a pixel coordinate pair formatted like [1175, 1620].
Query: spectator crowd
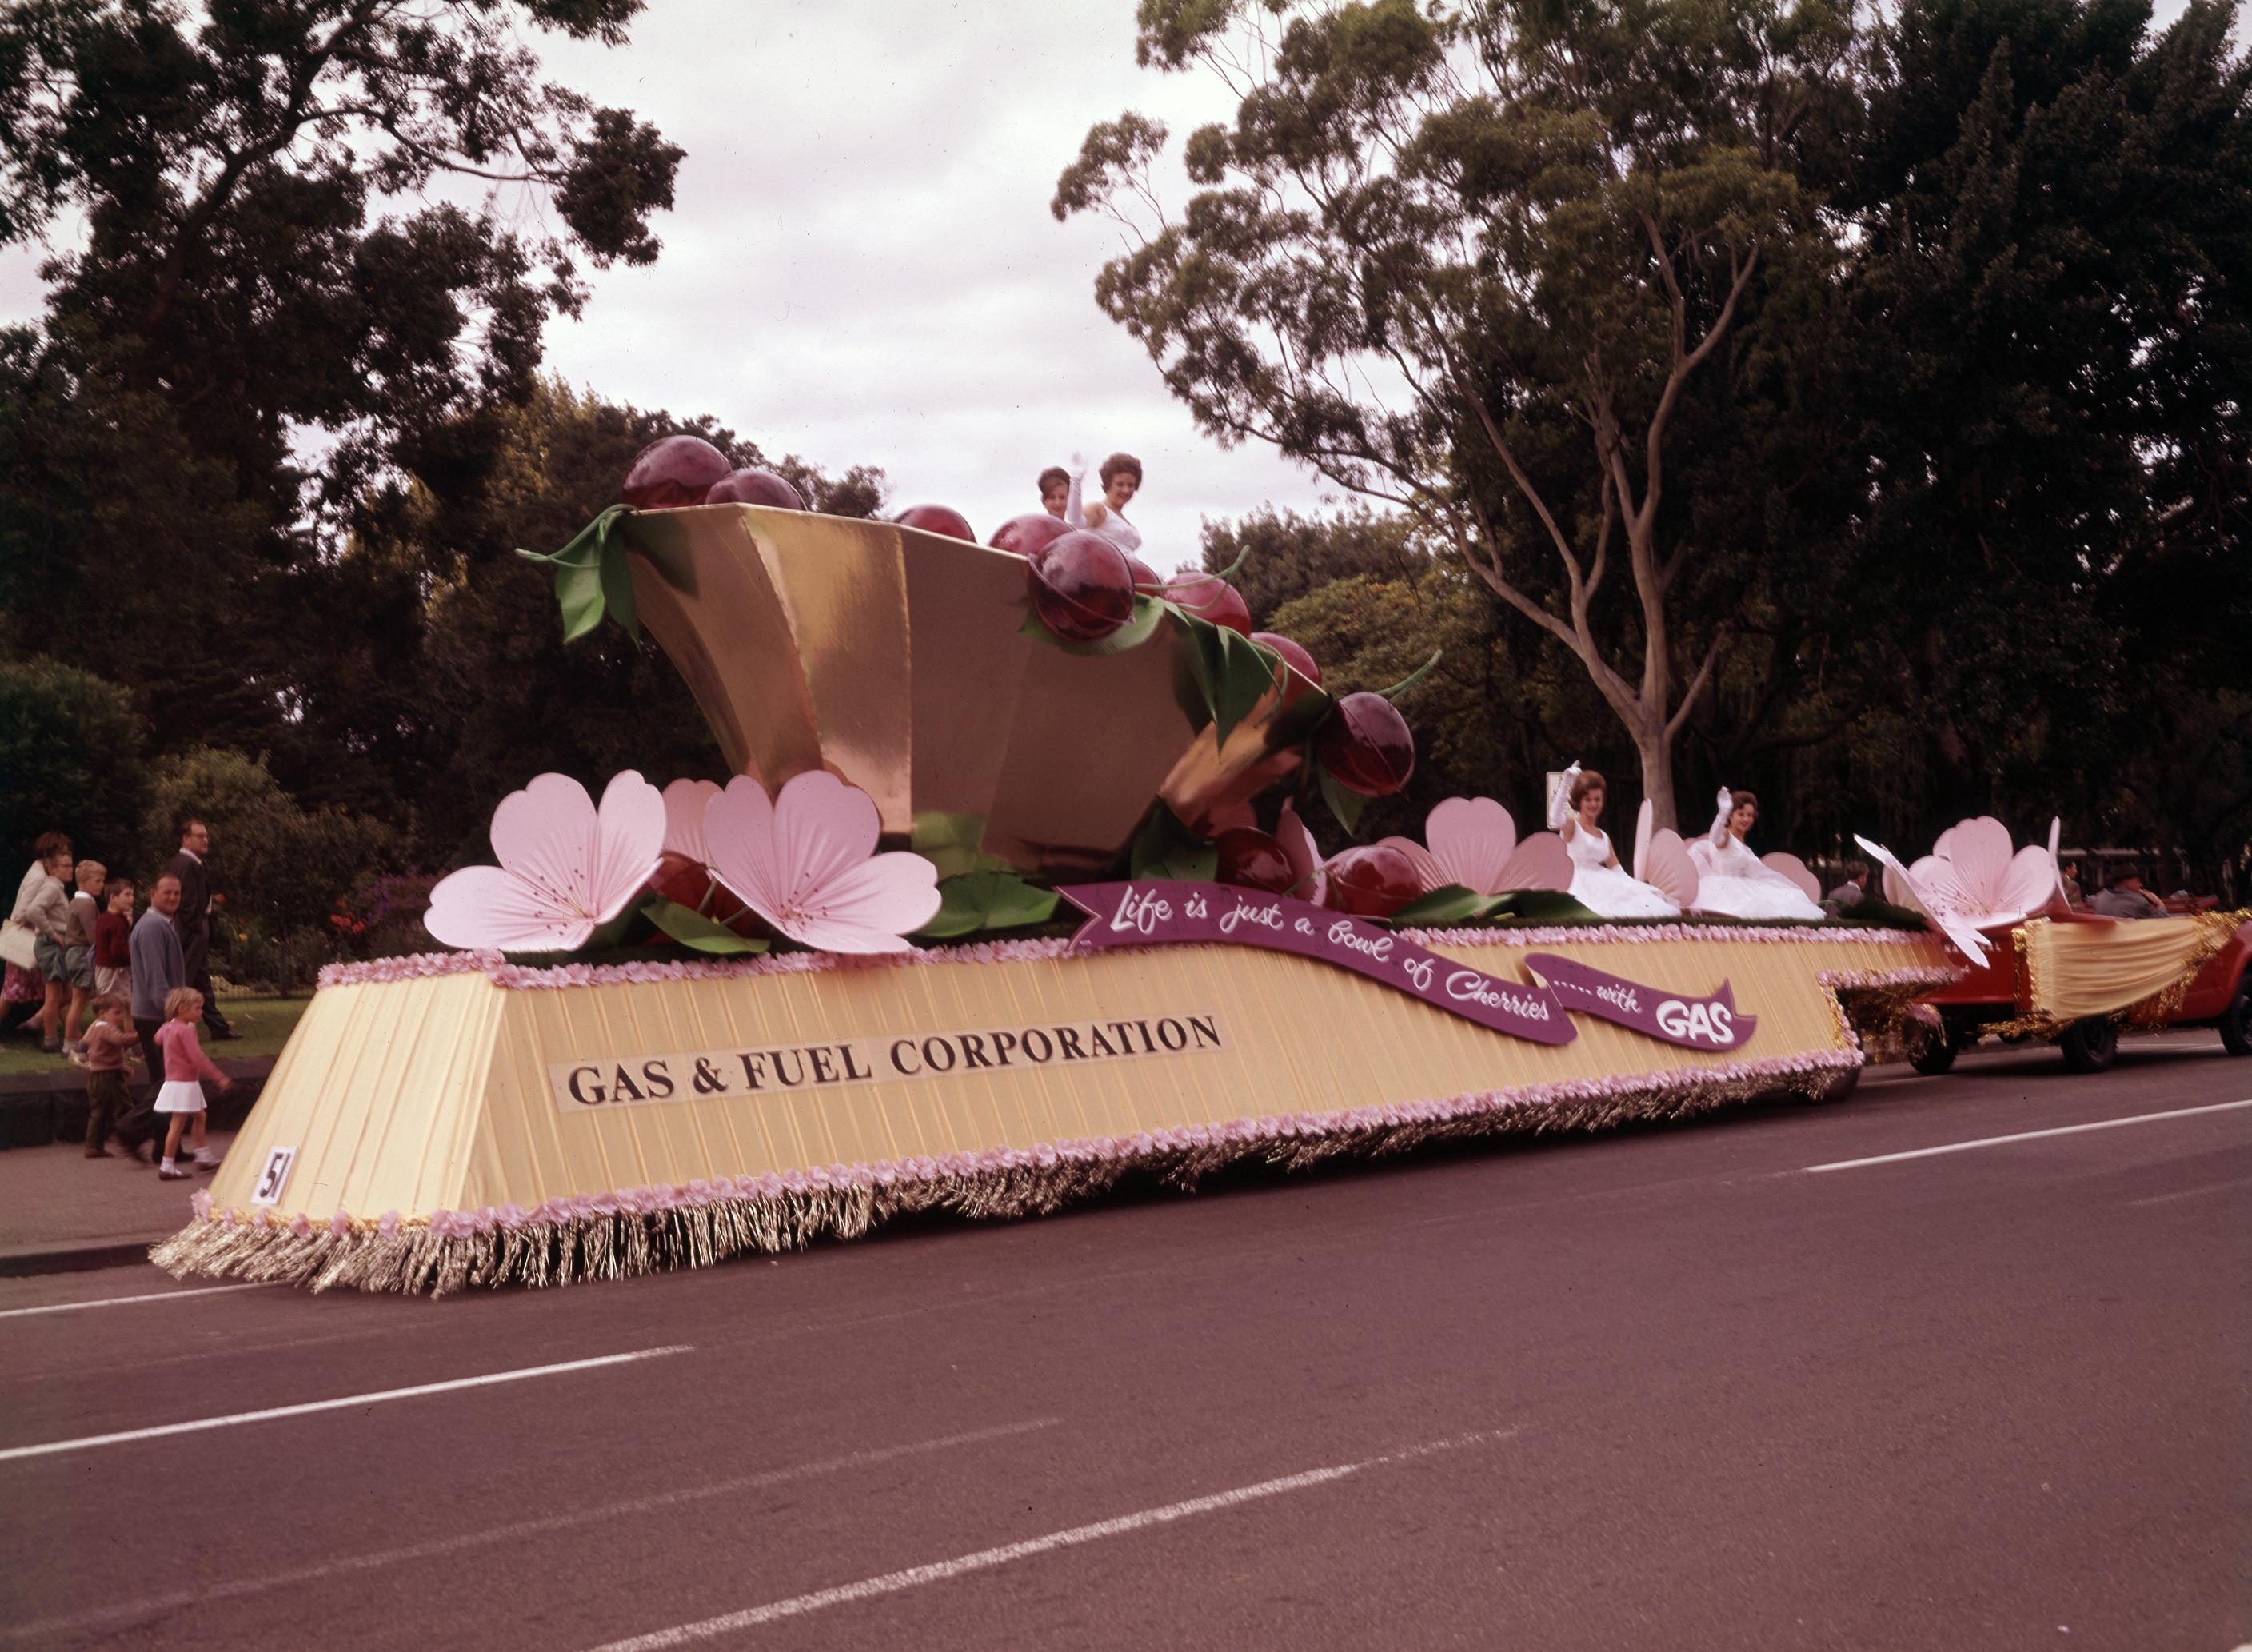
[102, 988]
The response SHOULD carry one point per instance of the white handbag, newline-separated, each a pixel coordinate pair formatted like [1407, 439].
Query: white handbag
[16, 944]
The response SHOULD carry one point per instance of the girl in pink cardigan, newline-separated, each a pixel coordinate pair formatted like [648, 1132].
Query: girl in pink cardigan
[184, 1063]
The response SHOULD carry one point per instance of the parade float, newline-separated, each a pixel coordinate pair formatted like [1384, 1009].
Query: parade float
[1010, 896]
[2040, 969]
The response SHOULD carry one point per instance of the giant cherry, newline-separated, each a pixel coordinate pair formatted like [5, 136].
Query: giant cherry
[1294, 655]
[1081, 587]
[673, 471]
[1365, 745]
[938, 518]
[1254, 859]
[1029, 534]
[754, 487]
[1210, 597]
[1372, 880]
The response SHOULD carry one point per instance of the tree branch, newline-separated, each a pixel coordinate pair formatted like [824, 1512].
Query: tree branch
[1697, 683]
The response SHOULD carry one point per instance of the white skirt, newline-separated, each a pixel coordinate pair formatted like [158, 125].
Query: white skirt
[180, 1095]
[1754, 897]
[1609, 891]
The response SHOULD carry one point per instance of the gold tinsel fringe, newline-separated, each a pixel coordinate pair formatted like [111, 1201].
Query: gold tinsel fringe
[412, 1259]
[2216, 929]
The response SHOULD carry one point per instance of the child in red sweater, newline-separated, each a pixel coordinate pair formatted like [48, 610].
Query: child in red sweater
[182, 1096]
[112, 929]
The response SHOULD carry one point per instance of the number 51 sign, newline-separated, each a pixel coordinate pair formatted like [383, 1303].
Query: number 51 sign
[273, 1176]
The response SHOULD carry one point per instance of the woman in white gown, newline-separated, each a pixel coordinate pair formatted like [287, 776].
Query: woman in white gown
[1122, 480]
[1598, 882]
[1731, 880]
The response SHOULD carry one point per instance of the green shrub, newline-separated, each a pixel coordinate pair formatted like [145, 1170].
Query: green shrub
[70, 761]
[273, 863]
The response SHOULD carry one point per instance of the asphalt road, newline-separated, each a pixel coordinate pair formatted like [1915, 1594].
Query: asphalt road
[1674, 1388]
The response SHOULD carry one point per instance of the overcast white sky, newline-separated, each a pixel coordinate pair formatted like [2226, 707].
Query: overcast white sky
[860, 266]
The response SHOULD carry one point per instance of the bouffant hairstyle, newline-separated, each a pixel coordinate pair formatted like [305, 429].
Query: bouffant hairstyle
[1591, 780]
[1053, 477]
[49, 845]
[1738, 799]
[1122, 461]
[180, 998]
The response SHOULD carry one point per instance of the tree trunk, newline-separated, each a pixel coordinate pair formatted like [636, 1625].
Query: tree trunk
[1656, 750]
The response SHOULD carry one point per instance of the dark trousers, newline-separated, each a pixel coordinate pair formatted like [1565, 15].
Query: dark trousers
[143, 1122]
[195, 948]
[107, 1098]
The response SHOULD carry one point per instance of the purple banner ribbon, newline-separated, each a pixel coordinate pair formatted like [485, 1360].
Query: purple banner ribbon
[1168, 912]
[1695, 1023]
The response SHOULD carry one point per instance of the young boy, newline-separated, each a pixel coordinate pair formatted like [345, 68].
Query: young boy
[113, 931]
[109, 1044]
[77, 953]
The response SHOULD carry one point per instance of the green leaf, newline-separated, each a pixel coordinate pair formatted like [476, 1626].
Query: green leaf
[1232, 671]
[1164, 848]
[1298, 721]
[951, 843]
[1413, 677]
[1148, 614]
[581, 549]
[1245, 676]
[1543, 906]
[579, 592]
[1449, 904]
[981, 900]
[693, 929]
[618, 583]
[1875, 913]
[1343, 803]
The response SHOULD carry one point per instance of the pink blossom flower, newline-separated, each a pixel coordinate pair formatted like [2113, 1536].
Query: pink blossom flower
[566, 868]
[1971, 872]
[1473, 844]
[683, 818]
[1308, 881]
[1955, 924]
[806, 863]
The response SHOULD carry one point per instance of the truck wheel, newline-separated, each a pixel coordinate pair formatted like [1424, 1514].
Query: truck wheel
[2236, 1021]
[1937, 1052]
[2090, 1045]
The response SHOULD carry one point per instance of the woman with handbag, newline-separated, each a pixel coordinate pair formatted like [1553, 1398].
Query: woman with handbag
[40, 925]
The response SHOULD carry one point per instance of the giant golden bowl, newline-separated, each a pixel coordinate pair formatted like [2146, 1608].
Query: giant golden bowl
[892, 657]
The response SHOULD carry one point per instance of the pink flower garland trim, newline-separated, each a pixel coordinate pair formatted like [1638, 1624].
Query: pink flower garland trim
[524, 977]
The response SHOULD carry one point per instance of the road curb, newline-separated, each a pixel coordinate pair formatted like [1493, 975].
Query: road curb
[78, 1256]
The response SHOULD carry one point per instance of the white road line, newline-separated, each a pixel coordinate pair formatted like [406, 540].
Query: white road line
[345, 1403]
[986, 1559]
[487, 1537]
[123, 1302]
[2193, 1192]
[2022, 1135]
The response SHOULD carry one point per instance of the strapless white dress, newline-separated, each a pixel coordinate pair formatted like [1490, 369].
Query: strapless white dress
[1113, 527]
[1611, 890]
[1733, 883]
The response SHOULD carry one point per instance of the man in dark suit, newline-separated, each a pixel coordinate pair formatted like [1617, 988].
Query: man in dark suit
[192, 921]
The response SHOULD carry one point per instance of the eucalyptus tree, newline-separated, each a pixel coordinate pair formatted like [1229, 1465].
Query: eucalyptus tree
[1496, 264]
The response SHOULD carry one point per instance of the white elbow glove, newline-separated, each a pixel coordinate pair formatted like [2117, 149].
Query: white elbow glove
[1560, 807]
[1720, 821]
[1074, 509]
